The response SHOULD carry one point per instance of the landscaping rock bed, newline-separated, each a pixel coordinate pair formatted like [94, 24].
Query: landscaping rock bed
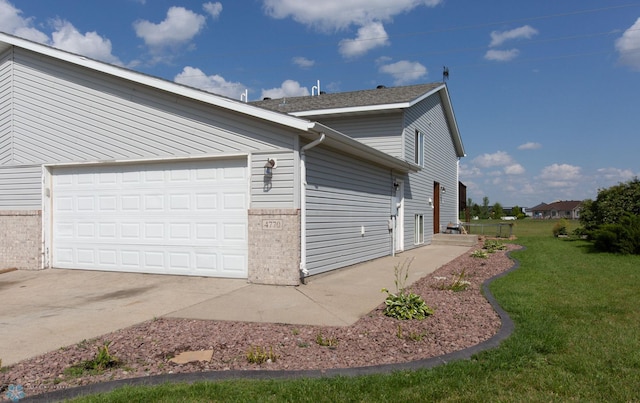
[461, 319]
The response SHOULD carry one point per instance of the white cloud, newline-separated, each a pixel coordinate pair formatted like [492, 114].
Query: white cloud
[65, 36]
[499, 158]
[404, 71]
[289, 88]
[501, 55]
[178, 28]
[530, 146]
[90, 44]
[628, 46]
[500, 37]
[616, 174]
[303, 62]
[514, 169]
[12, 22]
[469, 171]
[216, 84]
[370, 36]
[331, 15]
[214, 9]
[560, 175]
[334, 15]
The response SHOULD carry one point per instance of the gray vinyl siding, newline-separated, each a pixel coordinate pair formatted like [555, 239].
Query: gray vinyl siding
[6, 98]
[382, 132]
[343, 195]
[280, 190]
[440, 166]
[20, 187]
[64, 112]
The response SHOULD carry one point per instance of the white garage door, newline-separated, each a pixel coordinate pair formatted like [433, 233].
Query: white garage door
[171, 218]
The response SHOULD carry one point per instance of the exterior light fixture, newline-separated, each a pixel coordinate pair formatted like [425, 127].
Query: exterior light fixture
[442, 189]
[269, 167]
[396, 185]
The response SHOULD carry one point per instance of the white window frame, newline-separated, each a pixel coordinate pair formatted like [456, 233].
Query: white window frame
[419, 148]
[418, 229]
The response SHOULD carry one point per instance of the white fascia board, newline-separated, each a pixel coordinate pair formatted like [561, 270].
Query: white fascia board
[352, 109]
[158, 83]
[428, 94]
[454, 124]
[368, 108]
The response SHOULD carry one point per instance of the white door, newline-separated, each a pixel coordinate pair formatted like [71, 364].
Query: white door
[169, 218]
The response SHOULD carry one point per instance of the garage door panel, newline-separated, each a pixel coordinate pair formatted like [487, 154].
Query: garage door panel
[179, 218]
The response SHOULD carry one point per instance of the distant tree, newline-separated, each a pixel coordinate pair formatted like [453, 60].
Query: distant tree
[611, 205]
[484, 210]
[498, 211]
[516, 211]
[475, 210]
[612, 221]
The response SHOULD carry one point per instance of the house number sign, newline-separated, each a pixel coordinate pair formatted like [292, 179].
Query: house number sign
[271, 224]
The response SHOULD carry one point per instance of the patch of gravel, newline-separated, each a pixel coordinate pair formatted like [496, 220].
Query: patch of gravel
[461, 319]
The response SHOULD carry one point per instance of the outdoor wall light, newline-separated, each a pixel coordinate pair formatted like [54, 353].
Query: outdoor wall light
[442, 189]
[269, 167]
[396, 185]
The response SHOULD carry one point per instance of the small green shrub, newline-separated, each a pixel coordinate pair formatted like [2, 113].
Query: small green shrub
[478, 253]
[622, 237]
[492, 245]
[401, 304]
[560, 228]
[259, 355]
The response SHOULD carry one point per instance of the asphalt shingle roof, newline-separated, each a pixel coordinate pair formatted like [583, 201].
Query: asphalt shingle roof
[362, 98]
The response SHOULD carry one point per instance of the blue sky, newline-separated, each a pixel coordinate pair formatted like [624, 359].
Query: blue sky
[546, 93]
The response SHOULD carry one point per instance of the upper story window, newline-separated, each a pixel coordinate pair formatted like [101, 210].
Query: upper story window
[419, 151]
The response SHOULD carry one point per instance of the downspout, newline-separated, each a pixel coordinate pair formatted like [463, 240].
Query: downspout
[303, 205]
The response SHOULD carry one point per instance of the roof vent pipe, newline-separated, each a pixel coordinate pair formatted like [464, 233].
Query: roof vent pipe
[316, 89]
[244, 96]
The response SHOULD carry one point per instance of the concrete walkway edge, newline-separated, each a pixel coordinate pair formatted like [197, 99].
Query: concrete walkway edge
[506, 329]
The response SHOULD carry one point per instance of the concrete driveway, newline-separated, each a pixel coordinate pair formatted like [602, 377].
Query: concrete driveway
[41, 311]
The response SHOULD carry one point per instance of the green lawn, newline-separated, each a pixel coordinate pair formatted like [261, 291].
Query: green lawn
[577, 325]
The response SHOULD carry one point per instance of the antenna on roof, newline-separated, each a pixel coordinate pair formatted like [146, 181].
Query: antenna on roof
[244, 96]
[445, 73]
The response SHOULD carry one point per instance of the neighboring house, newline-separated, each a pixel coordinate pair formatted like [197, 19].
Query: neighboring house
[108, 169]
[569, 209]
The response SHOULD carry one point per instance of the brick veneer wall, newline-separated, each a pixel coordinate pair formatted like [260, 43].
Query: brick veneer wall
[21, 240]
[274, 246]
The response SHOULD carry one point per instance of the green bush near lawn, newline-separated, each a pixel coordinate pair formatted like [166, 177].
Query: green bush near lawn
[577, 320]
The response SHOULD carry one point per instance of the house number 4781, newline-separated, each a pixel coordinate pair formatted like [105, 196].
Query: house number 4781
[271, 224]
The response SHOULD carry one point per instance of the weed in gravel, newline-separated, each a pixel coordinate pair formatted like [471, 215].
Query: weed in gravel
[330, 342]
[458, 283]
[260, 355]
[412, 336]
[101, 362]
